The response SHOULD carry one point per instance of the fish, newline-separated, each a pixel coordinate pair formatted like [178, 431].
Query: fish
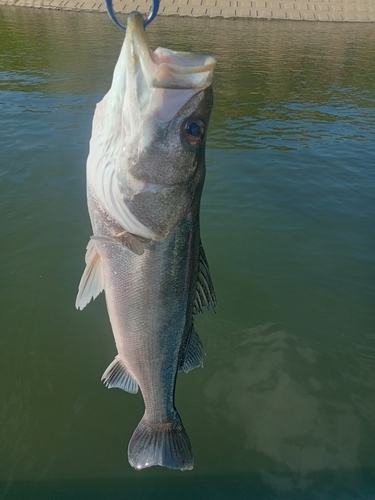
[145, 175]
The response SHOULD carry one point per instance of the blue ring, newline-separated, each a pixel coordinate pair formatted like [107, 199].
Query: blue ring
[151, 17]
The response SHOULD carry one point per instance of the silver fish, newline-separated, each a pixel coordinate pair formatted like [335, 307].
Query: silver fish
[145, 174]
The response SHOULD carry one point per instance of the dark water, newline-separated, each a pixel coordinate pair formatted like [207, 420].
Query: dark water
[285, 406]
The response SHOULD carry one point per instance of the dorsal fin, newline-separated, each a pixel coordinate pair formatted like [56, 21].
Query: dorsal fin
[205, 293]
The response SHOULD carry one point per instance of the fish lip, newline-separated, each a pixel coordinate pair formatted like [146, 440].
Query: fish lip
[166, 69]
[136, 35]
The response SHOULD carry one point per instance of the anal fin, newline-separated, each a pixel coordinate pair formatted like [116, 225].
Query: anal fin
[92, 281]
[194, 353]
[116, 375]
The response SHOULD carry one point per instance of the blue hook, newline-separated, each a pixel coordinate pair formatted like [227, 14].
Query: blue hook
[151, 17]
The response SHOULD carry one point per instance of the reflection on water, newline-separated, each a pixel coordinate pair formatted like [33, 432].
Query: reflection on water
[290, 407]
[282, 409]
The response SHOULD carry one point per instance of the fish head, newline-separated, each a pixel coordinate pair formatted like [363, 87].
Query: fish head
[150, 133]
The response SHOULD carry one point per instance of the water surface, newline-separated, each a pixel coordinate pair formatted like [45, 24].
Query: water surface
[285, 405]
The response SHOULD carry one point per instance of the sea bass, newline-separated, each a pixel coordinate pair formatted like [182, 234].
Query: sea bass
[145, 174]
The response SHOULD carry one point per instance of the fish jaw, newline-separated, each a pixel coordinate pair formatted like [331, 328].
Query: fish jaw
[157, 84]
[137, 131]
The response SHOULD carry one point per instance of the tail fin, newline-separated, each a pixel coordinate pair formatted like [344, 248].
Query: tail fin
[167, 445]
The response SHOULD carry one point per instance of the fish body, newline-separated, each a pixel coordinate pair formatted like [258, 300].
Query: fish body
[145, 175]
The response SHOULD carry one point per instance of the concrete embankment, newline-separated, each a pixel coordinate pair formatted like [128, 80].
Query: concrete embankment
[309, 10]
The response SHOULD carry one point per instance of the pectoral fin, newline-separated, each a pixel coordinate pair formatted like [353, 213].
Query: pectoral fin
[92, 281]
[134, 244]
[124, 239]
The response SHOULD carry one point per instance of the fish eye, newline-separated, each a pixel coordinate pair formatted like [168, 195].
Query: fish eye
[193, 131]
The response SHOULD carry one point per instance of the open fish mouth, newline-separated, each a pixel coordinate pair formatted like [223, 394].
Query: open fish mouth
[166, 68]
[156, 83]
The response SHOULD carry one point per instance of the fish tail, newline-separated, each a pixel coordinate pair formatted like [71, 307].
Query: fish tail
[166, 444]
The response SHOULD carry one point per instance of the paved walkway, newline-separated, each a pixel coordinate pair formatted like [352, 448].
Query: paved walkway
[311, 10]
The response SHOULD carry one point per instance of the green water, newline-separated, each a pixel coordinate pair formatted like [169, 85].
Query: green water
[285, 405]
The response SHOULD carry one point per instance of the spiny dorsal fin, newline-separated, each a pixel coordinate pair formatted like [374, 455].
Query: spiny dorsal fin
[194, 353]
[205, 293]
[116, 375]
[92, 281]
